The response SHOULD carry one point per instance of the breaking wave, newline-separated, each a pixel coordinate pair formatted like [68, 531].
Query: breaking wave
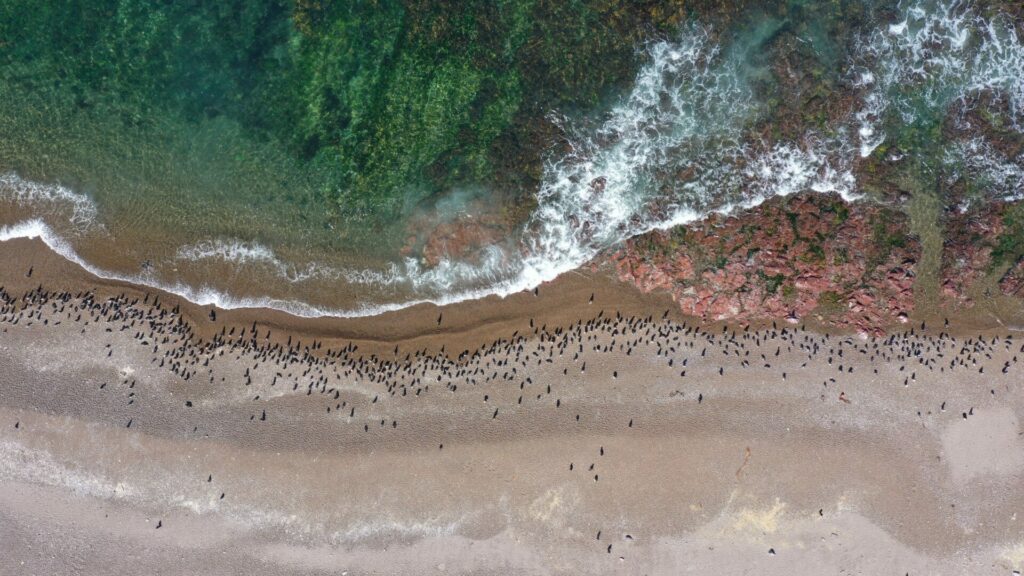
[76, 208]
[674, 149]
[241, 253]
[978, 162]
[938, 54]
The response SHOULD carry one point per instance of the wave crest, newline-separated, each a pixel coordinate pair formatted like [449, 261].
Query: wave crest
[78, 209]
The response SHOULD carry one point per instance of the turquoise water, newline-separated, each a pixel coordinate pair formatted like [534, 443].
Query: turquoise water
[713, 119]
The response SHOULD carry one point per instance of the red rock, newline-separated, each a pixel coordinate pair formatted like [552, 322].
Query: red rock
[967, 249]
[683, 267]
[1012, 282]
[763, 270]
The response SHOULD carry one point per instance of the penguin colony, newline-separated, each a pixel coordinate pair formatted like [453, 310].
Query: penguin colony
[368, 394]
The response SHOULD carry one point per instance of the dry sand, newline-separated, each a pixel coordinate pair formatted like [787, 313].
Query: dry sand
[896, 457]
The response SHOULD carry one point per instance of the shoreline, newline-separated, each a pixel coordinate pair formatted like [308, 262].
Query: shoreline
[801, 274]
[617, 445]
[559, 302]
[268, 303]
[566, 297]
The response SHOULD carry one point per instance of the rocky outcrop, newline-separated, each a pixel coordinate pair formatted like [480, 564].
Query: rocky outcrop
[1012, 282]
[983, 240]
[804, 256]
[807, 255]
[967, 250]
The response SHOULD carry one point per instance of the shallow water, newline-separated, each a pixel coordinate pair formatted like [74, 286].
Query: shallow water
[203, 211]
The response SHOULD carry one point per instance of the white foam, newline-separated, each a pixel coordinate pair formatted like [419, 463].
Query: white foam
[685, 114]
[672, 151]
[207, 296]
[26, 193]
[817, 164]
[942, 52]
[444, 276]
[246, 253]
[1002, 178]
[37, 229]
[228, 250]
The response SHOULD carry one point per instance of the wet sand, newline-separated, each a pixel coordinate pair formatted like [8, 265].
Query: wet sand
[137, 437]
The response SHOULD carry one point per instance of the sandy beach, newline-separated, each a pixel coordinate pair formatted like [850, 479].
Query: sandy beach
[516, 288]
[540, 434]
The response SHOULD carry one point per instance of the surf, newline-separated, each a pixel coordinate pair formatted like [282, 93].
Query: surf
[676, 147]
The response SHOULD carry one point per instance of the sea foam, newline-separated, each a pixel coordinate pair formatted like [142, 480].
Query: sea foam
[685, 113]
[939, 53]
[81, 211]
[673, 150]
[978, 161]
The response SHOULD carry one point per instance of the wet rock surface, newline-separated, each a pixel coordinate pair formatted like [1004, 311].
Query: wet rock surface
[967, 251]
[850, 264]
[1012, 283]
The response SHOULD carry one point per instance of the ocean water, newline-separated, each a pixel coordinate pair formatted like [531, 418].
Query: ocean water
[222, 221]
